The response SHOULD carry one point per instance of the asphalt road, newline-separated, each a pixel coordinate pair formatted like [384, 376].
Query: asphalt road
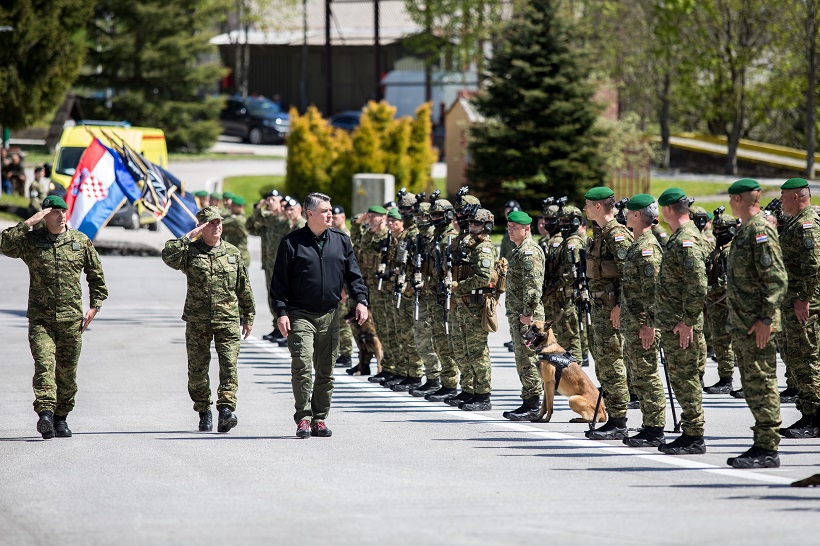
[396, 471]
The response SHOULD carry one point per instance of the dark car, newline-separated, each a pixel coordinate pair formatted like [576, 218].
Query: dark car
[255, 120]
[347, 120]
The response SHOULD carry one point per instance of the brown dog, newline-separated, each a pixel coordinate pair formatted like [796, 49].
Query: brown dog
[573, 382]
[367, 341]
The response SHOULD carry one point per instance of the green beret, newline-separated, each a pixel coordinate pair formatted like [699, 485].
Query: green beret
[670, 196]
[207, 214]
[201, 193]
[709, 215]
[599, 194]
[228, 195]
[519, 217]
[794, 184]
[238, 200]
[394, 213]
[743, 185]
[640, 201]
[377, 209]
[54, 202]
[216, 195]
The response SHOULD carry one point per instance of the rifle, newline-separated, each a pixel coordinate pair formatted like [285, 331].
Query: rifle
[774, 208]
[382, 270]
[418, 258]
[621, 216]
[444, 267]
[582, 291]
[401, 255]
[668, 385]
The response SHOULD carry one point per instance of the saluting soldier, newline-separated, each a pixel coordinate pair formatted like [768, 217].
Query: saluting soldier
[268, 221]
[756, 289]
[235, 229]
[219, 306]
[56, 256]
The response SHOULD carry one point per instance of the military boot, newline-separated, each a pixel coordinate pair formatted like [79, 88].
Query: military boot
[429, 387]
[647, 437]
[227, 420]
[585, 362]
[480, 402]
[803, 428]
[684, 445]
[613, 429]
[788, 396]
[379, 377]
[723, 386]
[206, 421]
[343, 362]
[633, 403]
[460, 399]
[407, 384]
[61, 429]
[440, 395]
[737, 394]
[755, 457]
[45, 425]
[526, 412]
[395, 380]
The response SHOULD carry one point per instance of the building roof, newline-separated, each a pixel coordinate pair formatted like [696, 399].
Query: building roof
[467, 105]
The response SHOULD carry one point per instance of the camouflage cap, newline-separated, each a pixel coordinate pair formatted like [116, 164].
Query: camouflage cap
[207, 214]
[407, 200]
[483, 215]
[724, 220]
[441, 205]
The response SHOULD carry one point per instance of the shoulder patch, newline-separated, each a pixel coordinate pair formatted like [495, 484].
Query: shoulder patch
[556, 245]
[621, 254]
[486, 249]
[648, 270]
[761, 238]
[528, 253]
[646, 252]
[687, 243]
[807, 225]
[765, 259]
[808, 242]
[76, 245]
[688, 262]
[485, 262]
[620, 238]
[231, 259]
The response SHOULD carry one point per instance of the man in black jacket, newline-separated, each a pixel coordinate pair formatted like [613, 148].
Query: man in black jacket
[312, 266]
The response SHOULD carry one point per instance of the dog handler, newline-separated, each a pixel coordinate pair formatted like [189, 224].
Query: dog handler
[312, 265]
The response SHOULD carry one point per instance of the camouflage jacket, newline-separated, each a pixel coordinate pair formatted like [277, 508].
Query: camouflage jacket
[271, 228]
[681, 286]
[54, 264]
[716, 276]
[605, 260]
[481, 257]
[800, 244]
[756, 276]
[507, 246]
[219, 290]
[640, 272]
[525, 279]
[235, 231]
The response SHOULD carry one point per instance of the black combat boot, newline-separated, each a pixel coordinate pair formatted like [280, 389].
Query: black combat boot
[395, 380]
[407, 384]
[61, 429]
[788, 396]
[710, 353]
[274, 335]
[480, 402]
[647, 437]
[723, 386]
[45, 425]
[613, 429]
[429, 387]
[585, 362]
[440, 395]
[737, 394]
[460, 399]
[755, 457]
[343, 362]
[508, 344]
[803, 428]
[206, 422]
[526, 412]
[633, 403]
[227, 420]
[684, 445]
[379, 377]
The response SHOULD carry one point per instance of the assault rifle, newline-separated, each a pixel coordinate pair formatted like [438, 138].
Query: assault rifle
[401, 255]
[668, 385]
[382, 270]
[582, 292]
[774, 208]
[418, 259]
[445, 284]
[621, 216]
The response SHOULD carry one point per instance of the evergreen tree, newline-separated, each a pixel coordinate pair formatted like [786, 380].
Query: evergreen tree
[540, 135]
[148, 56]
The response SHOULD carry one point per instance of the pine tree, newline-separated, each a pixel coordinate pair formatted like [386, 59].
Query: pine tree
[540, 135]
[149, 55]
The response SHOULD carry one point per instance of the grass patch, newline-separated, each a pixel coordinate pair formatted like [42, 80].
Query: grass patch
[691, 188]
[252, 188]
[207, 156]
[7, 201]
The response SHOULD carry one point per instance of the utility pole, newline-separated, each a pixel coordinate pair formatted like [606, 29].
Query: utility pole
[303, 99]
[377, 52]
[328, 64]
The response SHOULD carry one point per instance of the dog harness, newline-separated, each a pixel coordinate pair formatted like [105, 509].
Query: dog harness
[560, 361]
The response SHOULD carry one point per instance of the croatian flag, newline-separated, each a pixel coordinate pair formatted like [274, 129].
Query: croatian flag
[94, 194]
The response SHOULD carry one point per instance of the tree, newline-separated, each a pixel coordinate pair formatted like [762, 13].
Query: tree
[40, 56]
[540, 123]
[149, 58]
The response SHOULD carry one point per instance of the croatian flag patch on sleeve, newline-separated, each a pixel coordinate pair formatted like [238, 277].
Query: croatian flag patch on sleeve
[619, 238]
[646, 252]
[807, 225]
[687, 244]
[761, 238]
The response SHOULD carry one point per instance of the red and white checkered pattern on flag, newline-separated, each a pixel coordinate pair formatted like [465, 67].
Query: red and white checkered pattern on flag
[91, 182]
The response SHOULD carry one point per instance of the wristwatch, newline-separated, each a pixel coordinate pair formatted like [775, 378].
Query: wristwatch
[766, 321]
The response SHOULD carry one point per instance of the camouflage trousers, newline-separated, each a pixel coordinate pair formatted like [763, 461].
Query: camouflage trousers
[685, 379]
[313, 343]
[409, 363]
[800, 351]
[717, 319]
[645, 380]
[567, 331]
[459, 348]
[226, 338]
[526, 363]
[476, 368]
[345, 330]
[443, 344]
[758, 376]
[268, 277]
[56, 349]
[606, 347]
[701, 336]
[423, 337]
[383, 320]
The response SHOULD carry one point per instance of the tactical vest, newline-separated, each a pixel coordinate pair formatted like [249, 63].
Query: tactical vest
[602, 265]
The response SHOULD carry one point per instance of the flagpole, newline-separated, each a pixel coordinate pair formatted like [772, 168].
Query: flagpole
[181, 204]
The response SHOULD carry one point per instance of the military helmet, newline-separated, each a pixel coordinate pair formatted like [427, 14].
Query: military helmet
[551, 211]
[694, 209]
[389, 205]
[441, 205]
[512, 203]
[407, 200]
[570, 212]
[469, 200]
[424, 207]
[483, 215]
[724, 221]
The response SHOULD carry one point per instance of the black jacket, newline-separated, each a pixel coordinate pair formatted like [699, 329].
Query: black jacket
[310, 279]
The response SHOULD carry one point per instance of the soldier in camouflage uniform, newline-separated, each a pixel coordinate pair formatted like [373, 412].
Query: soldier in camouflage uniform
[374, 250]
[660, 234]
[202, 199]
[345, 304]
[610, 244]
[681, 289]
[640, 271]
[717, 310]
[525, 282]
[293, 212]
[756, 288]
[55, 256]
[469, 288]
[235, 229]
[269, 222]
[800, 243]
[507, 246]
[700, 217]
[219, 307]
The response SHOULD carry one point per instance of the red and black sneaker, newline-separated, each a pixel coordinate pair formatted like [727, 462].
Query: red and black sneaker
[303, 429]
[320, 429]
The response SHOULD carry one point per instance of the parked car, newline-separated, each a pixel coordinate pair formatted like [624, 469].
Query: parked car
[255, 120]
[130, 217]
[347, 120]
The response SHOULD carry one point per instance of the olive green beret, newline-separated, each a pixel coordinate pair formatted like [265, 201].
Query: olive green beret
[709, 215]
[207, 214]
[794, 184]
[670, 196]
[376, 209]
[216, 195]
[394, 213]
[640, 201]
[201, 193]
[54, 202]
[599, 194]
[520, 217]
[743, 185]
[238, 200]
[228, 195]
